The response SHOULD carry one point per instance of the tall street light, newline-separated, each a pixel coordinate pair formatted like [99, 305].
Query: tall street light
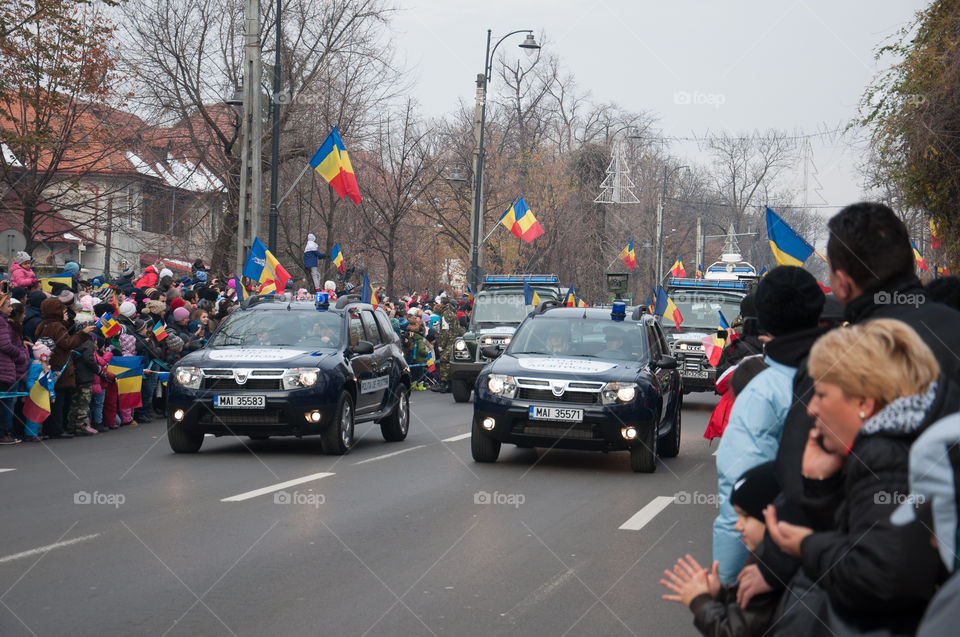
[275, 139]
[476, 220]
[667, 174]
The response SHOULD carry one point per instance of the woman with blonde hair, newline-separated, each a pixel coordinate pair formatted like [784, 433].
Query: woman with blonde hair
[875, 389]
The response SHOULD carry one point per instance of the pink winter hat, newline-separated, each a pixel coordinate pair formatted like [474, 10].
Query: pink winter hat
[86, 303]
[180, 313]
[41, 351]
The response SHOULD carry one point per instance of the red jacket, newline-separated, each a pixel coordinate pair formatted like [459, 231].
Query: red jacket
[149, 278]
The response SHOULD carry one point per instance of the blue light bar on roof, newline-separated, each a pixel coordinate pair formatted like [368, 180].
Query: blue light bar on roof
[718, 285]
[740, 268]
[519, 279]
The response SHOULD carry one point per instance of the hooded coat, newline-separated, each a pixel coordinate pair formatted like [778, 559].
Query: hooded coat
[31, 316]
[149, 278]
[53, 326]
[311, 253]
[13, 357]
[21, 276]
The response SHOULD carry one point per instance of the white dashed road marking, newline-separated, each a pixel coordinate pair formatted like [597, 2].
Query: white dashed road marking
[276, 487]
[389, 455]
[456, 438]
[48, 547]
[647, 513]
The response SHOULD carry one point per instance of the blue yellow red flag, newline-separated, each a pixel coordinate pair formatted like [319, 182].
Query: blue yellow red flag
[159, 331]
[723, 320]
[788, 247]
[921, 262]
[336, 258]
[628, 256]
[65, 277]
[129, 377]
[530, 296]
[263, 267]
[431, 361]
[333, 163]
[699, 271]
[667, 308]
[367, 294]
[470, 294]
[677, 269]
[36, 407]
[108, 325]
[520, 221]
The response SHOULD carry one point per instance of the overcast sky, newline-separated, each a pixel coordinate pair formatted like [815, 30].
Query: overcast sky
[741, 65]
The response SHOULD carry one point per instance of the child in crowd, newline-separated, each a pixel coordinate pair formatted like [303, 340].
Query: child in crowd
[128, 347]
[98, 389]
[39, 372]
[714, 606]
[85, 371]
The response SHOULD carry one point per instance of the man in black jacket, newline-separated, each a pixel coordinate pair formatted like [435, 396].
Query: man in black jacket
[872, 273]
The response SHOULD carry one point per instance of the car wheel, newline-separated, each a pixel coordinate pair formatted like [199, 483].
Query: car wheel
[338, 437]
[670, 445]
[483, 447]
[395, 426]
[181, 440]
[643, 457]
[461, 391]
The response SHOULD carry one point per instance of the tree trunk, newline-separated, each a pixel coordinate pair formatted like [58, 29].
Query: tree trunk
[391, 258]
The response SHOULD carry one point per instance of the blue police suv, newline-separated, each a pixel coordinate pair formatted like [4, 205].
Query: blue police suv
[281, 368]
[581, 378]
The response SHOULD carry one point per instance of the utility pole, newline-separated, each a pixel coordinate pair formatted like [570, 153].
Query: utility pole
[275, 140]
[248, 217]
[476, 217]
[699, 251]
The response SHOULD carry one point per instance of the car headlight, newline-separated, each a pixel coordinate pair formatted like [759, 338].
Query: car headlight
[189, 377]
[460, 345]
[618, 392]
[300, 377]
[501, 385]
[461, 350]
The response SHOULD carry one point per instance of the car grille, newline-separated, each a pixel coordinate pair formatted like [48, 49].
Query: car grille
[576, 431]
[546, 395]
[692, 363]
[242, 417]
[252, 384]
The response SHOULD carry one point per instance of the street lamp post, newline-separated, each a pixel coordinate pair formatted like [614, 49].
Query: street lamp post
[476, 219]
[275, 139]
[663, 197]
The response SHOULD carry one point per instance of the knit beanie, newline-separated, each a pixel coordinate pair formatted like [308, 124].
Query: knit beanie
[180, 313]
[65, 297]
[177, 303]
[128, 309]
[164, 272]
[755, 489]
[41, 351]
[173, 342]
[86, 303]
[789, 299]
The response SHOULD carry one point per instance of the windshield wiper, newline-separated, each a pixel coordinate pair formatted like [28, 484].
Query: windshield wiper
[537, 353]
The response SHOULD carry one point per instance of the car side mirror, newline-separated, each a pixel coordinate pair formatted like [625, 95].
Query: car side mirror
[666, 362]
[491, 351]
[362, 348]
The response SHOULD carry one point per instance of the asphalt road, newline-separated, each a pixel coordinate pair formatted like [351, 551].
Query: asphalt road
[116, 535]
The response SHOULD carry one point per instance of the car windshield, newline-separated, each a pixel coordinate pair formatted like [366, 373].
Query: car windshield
[499, 308]
[581, 338]
[307, 330]
[701, 310]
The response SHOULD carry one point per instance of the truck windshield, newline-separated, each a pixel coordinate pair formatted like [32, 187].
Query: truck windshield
[499, 308]
[701, 309]
[306, 330]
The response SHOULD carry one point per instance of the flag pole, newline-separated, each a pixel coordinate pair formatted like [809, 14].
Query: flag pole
[295, 183]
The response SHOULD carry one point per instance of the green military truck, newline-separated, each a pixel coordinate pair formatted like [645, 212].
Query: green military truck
[498, 308]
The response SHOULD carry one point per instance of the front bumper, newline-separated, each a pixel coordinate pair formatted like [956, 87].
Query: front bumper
[285, 413]
[466, 371]
[699, 381]
[600, 430]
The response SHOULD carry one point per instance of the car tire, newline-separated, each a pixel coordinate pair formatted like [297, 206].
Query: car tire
[395, 426]
[483, 447]
[670, 444]
[643, 457]
[338, 438]
[181, 440]
[461, 391]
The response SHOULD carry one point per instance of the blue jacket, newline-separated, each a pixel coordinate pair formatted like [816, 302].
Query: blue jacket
[33, 374]
[312, 259]
[751, 438]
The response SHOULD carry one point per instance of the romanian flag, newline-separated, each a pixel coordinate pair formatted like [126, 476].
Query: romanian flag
[46, 283]
[678, 270]
[520, 221]
[263, 267]
[530, 296]
[333, 163]
[629, 257]
[572, 300]
[37, 405]
[713, 347]
[238, 288]
[159, 331]
[108, 325]
[788, 247]
[666, 308]
[763, 272]
[699, 271]
[921, 262]
[941, 271]
[723, 321]
[367, 295]
[431, 362]
[336, 258]
[826, 290]
[470, 294]
[115, 302]
[129, 373]
[935, 239]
